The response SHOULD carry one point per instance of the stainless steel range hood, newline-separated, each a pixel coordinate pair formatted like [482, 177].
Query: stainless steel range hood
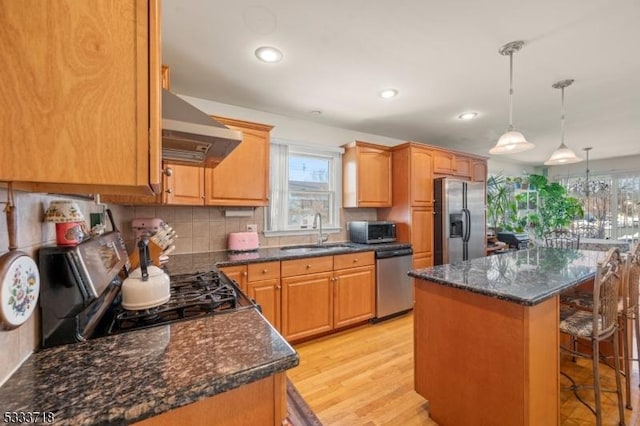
[190, 135]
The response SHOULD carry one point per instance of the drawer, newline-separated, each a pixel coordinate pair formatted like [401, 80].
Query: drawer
[263, 271]
[352, 260]
[308, 265]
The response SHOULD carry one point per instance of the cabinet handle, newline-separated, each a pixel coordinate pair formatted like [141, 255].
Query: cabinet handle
[169, 191]
[168, 171]
[278, 287]
[264, 271]
[308, 266]
[433, 212]
[355, 260]
[244, 273]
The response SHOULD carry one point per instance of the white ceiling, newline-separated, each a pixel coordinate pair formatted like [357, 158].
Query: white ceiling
[442, 56]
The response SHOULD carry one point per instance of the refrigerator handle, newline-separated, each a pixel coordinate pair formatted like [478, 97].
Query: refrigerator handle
[467, 225]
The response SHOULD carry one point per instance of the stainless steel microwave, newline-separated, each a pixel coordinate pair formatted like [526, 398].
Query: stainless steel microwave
[372, 232]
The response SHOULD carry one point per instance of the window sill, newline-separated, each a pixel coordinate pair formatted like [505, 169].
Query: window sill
[294, 232]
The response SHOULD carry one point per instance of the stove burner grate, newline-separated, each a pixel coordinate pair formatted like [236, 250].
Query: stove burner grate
[192, 295]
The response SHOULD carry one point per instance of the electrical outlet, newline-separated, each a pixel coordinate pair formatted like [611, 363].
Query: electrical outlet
[252, 227]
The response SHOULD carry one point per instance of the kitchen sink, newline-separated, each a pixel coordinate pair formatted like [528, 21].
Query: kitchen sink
[313, 248]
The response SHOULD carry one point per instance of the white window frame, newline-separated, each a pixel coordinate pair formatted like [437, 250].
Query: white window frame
[276, 213]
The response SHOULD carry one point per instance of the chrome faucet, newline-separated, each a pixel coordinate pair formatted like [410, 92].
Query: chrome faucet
[317, 219]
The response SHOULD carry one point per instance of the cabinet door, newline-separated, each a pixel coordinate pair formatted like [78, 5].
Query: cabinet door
[443, 162]
[242, 178]
[307, 305]
[183, 184]
[422, 232]
[354, 295]
[267, 294]
[374, 177]
[421, 177]
[463, 167]
[422, 260]
[238, 274]
[479, 173]
[81, 96]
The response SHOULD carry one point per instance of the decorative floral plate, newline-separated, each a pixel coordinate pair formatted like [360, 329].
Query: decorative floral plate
[19, 288]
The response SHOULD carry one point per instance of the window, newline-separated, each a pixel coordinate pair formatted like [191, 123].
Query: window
[304, 181]
[611, 206]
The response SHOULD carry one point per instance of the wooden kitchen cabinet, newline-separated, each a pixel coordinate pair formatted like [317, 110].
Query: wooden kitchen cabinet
[463, 167]
[307, 297]
[237, 273]
[443, 162]
[183, 185]
[263, 402]
[81, 96]
[354, 288]
[420, 177]
[366, 175]
[479, 171]
[422, 236]
[242, 178]
[263, 285]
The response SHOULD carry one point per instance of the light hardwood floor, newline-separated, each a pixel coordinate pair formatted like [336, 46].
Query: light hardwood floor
[364, 376]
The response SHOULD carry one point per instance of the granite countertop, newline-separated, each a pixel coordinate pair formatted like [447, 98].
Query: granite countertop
[128, 377]
[526, 277]
[185, 263]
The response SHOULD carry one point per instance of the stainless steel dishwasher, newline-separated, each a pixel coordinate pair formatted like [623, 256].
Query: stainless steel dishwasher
[394, 293]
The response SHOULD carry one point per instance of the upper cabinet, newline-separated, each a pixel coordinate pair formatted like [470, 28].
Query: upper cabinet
[242, 178]
[479, 171]
[366, 175]
[444, 162]
[463, 166]
[81, 96]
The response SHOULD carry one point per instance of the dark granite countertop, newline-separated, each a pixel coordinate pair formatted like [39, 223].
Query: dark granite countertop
[128, 377]
[526, 277]
[184, 263]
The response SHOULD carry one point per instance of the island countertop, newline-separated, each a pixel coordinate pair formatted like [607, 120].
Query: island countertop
[525, 277]
[123, 378]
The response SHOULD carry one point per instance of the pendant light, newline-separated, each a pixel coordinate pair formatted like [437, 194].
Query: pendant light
[512, 141]
[562, 155]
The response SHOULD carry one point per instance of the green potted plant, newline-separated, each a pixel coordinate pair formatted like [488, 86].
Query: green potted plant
[556, 209]
[501, 206]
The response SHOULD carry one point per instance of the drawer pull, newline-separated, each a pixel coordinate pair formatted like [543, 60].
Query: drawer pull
[355, 260]
[308, 266]
[264, 271]
[244, 273]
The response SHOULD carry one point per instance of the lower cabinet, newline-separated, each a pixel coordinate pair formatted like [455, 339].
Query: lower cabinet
[306, 297]
[354, 288]
[261, 282]
[263, 285]
[262, 402]
[341, 293]
[307, 302]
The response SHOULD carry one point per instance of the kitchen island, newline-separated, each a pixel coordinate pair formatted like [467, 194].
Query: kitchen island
[487, 338]
[182, 369]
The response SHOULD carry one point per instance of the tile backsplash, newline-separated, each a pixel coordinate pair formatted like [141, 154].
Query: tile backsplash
[204, 229]
[31, 234]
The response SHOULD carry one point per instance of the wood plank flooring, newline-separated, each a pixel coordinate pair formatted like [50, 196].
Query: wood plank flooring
[364, 376]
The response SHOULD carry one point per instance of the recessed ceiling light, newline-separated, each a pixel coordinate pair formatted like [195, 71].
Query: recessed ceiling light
[388, 93]
[268, 54]
[468, 115]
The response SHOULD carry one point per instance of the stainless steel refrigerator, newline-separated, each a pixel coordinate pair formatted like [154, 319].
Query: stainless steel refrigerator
[459, 222]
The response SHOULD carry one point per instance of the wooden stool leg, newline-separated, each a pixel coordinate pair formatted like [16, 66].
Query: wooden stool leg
[616, 357]
[596, 380]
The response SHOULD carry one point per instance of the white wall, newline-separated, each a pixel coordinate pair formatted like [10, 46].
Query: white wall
[292, 129]
[503, 166]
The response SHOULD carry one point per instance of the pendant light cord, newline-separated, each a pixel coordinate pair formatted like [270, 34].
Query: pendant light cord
[510, 90]
[562, 120]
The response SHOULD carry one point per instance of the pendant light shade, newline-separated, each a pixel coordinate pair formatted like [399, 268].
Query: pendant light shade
[562, 155]
[512, 141]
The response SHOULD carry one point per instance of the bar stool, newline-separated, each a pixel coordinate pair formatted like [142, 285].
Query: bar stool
[628, 311]
[598, 325]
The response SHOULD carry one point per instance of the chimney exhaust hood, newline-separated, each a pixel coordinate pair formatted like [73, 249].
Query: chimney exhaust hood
[190, 135]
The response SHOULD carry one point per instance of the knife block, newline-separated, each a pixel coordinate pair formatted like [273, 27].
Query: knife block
[154, 253]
